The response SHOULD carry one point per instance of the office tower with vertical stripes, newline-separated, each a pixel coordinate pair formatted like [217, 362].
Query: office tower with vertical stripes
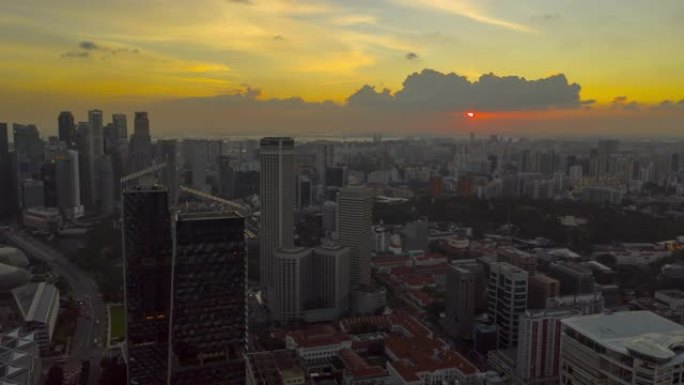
[277, 182]
[354, 230]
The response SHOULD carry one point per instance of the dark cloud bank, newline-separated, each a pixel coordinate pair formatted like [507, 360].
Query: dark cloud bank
[428, 102]
[85, 48]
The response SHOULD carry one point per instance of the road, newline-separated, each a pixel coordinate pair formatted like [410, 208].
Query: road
[92, 321]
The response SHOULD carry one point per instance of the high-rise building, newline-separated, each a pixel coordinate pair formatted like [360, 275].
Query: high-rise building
[68, 184]
[538, 353]
[95, 120]
[32, 193]
[140, 150]
[310, 284]
[335, 176]
[277, 193]
[66, 127]
[289, 270]
[574, 279]
[7, 190]
[120, 124]
[507, 294]
[87, 165]
[630, 347]
[106, 183]
[147, 275]
[168, 153]
[27, 142]
[226, 177]
[304, 192]
[355, 230]
[324, 158]
[209, 313]
[48, 175]
[464, 284]
[541, 288]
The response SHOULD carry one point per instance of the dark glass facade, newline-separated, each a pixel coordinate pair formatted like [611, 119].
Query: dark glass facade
[147, 264]
[209, 317]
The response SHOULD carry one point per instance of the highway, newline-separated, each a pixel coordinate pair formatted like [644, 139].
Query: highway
[92, 321]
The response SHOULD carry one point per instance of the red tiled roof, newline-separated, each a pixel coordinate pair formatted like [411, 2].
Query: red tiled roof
[358, 367]
[421, 297]
[416, 280]
[317, 335]
[427, 354]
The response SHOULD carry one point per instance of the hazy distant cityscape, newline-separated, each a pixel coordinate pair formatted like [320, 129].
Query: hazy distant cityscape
[133, 259]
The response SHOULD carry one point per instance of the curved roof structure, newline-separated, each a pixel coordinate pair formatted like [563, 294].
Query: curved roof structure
[13, 256]
[11, 277]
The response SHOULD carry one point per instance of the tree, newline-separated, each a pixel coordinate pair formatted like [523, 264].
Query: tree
[55, 376]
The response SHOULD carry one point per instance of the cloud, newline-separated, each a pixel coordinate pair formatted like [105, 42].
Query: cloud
[249, 2]
[411, 56]
[545, 17]
[433, 90]
[428, 100]
[279, 38]
[669, 105]
[86, 47]
[79, 55]
[622, 103]
[467, 10]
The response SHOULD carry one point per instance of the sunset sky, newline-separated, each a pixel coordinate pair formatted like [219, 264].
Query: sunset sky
[222, 67]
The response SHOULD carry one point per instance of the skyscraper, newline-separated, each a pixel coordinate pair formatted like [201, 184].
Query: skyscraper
[324, 159]
[147, 275]
[507, 294]
[87, 165]
[277, 195]
[538, 351]
[354, 229]
[105, 176]
[27, 142]
[140, 151]
[68, 184]
[168, 152]
[120, 124]
[66, 127]
[7, 189]
[209, 313]
[96, 125]
[463, 282]
[226, 177]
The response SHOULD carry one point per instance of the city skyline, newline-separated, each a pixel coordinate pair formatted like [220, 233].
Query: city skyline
[247, 67]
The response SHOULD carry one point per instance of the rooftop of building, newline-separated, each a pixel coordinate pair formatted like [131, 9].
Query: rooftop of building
[35, 300]
[272, 367]
[417, 355]
[672, 293]
[12, 277]
[317, 336]
[635, 332]
[13, 257]
[358, 367]
[543, 278]
[19, 355]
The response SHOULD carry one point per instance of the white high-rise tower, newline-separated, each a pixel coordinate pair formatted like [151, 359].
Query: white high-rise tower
[277, 195]
[354, 229]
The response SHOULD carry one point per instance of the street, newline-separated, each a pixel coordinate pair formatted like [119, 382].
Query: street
[84, 292]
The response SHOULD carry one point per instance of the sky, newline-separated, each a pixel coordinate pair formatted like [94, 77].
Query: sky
[334, 67]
